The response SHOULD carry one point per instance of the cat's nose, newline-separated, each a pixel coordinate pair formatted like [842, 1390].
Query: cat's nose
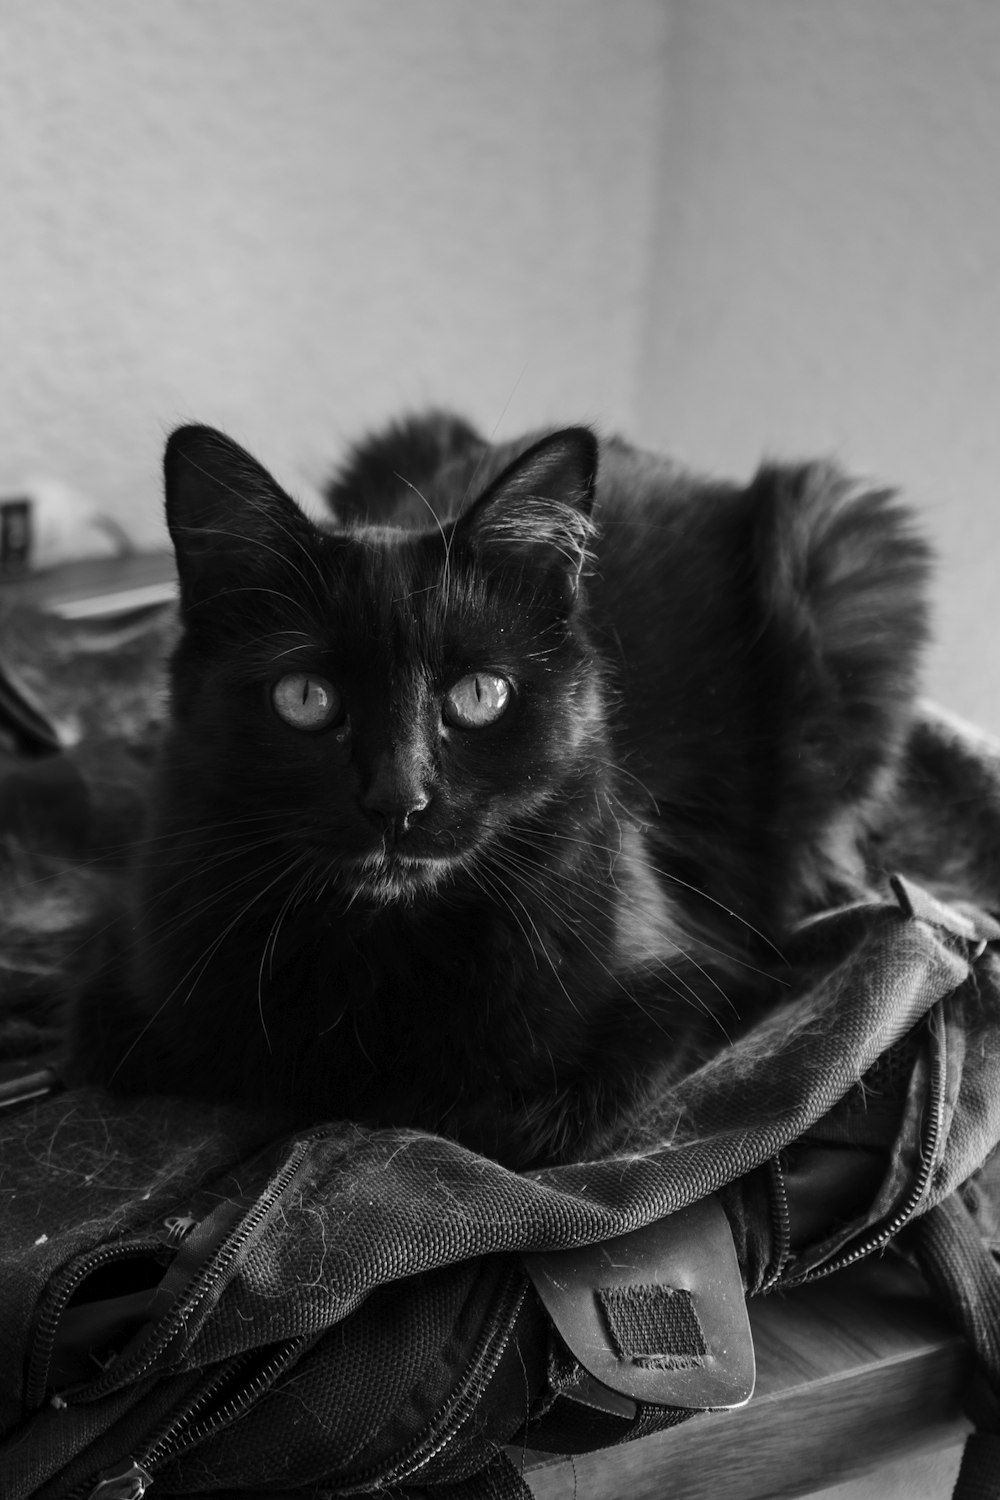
[395, 800]
[393, 819]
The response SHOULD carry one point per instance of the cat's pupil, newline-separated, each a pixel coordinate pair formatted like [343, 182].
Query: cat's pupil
[477, 700]
[306, 701]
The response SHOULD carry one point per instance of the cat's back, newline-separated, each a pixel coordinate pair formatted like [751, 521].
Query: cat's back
[695, 586]
[665, 594]
[655, 520]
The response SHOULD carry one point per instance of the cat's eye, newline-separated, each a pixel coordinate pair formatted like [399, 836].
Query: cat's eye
[476, 700]
[306, 701]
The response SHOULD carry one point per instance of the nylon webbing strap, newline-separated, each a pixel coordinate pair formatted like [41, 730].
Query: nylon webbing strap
[654, 1327]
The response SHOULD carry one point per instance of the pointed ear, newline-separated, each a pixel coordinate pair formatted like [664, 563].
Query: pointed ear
[536, 515]
[227, 516]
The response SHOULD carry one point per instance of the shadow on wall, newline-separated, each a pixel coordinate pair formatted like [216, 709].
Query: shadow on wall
[826, 269]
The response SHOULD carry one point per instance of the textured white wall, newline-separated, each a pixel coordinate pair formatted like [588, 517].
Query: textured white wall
[726, 227]
[827, 269]
[291, 218]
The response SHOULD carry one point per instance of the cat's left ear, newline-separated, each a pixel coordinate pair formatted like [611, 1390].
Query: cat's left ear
[228, 519]
[536, 515]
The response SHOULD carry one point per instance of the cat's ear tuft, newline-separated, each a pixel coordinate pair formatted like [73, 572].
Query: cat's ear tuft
[536, 515]
[226, 515]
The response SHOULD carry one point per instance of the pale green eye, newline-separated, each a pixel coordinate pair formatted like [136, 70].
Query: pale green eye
[477, 700]
[306, 701]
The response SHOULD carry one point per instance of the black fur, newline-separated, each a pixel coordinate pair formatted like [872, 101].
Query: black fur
[506, 933]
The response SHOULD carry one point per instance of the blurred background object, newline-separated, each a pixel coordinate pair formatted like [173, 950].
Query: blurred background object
[724, 229]
[44, 522]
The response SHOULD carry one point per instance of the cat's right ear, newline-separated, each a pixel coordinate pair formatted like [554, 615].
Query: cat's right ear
[537, 513]
[227, 517]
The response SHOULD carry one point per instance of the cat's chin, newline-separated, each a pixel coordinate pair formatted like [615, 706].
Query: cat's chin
[392, 879]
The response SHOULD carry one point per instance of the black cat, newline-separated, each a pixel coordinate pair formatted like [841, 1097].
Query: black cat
[484, 809]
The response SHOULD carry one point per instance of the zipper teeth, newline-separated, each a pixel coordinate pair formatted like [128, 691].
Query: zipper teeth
[183, 1432]
[902, 1215]
[467, 1400]
[175, 1321]
[190, 1431]
[781, 1223]
[444, 1428]
[165, 1444]
[43, 1338]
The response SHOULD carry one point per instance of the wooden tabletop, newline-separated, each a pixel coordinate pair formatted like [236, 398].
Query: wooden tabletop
[852, 1372]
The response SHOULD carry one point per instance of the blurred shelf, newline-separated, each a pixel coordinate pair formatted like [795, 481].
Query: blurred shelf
[96, 588]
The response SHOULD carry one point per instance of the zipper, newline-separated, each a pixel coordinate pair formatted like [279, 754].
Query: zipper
[175, 1230]
[185, 1432]
[881, 1237]
[781, 1224]
[60, 1291]
[178, 1227]
[130, 1479]
[133, 1477]
[43, 1340]
[228, 1254]
[200, 1420]
[129, 1483]
[123, 1484]
[446, 1425]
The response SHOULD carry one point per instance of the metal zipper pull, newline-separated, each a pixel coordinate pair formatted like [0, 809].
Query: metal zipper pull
[178, 1227]
[127, 1484]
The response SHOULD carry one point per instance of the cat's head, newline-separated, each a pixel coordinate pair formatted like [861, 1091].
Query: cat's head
[386, 702]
